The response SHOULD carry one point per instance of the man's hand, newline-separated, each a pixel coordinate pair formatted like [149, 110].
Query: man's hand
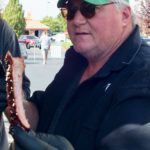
[39, 141]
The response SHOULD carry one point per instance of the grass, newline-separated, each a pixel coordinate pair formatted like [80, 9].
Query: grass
[66, 45]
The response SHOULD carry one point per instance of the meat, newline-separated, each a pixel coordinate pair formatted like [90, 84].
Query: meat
[14, 71]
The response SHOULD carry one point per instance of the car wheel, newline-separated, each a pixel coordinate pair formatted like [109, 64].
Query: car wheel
[28, 46]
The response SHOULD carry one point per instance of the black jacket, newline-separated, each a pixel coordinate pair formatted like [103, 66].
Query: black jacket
[116, 95]
[8, 41]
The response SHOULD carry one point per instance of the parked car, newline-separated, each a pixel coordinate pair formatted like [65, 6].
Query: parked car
[23, 50]
[59, 37]
[30, 41]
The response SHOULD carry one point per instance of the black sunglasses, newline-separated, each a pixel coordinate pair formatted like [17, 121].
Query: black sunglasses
[87, 10]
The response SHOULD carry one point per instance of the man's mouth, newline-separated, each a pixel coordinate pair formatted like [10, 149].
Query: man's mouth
[81, 33]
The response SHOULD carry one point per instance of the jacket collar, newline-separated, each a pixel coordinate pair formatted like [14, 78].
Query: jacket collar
[124, 55]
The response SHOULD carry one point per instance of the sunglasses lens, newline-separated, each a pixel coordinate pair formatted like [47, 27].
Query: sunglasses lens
[68, 13]
[71, 12]
[87, 10]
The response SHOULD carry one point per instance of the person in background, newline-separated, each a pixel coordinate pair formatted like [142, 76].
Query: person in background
[45, 46]
[102, 89]
[8, 41]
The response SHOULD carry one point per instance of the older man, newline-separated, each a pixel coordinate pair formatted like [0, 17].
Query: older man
[103, 85]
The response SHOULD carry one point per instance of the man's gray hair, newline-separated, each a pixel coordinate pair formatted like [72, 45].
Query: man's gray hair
[122, 3]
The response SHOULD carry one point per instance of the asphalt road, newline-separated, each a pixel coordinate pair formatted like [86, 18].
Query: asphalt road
[39, 74]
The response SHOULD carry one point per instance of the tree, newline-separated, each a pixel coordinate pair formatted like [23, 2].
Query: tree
[57, 24]
[14, 15]
[62, 22]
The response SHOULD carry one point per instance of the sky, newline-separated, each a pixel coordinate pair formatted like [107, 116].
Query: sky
[39, 8]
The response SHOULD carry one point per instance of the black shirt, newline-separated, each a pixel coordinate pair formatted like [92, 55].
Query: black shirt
[116, 95]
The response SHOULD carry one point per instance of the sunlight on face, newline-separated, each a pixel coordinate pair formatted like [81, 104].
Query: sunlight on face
[98, 34]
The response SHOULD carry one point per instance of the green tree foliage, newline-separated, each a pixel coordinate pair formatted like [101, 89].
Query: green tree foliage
[57, 24]
[14, 15]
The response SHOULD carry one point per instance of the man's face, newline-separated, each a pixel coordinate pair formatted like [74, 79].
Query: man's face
[99, 34]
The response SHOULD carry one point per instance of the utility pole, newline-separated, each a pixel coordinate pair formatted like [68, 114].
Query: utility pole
[48, 4]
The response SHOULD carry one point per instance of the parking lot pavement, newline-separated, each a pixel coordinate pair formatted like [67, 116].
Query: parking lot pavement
[7, 129]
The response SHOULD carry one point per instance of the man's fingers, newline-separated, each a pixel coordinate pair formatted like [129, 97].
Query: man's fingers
[28, 142]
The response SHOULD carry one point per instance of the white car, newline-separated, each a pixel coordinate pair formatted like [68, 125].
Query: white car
[59, 37]
[146, 39]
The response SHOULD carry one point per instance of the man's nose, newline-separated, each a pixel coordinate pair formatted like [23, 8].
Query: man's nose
[79, 18]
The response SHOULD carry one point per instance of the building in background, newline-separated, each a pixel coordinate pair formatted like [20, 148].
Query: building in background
[34, 27]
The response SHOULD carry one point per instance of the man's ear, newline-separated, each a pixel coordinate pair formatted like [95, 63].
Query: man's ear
[126, 15]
